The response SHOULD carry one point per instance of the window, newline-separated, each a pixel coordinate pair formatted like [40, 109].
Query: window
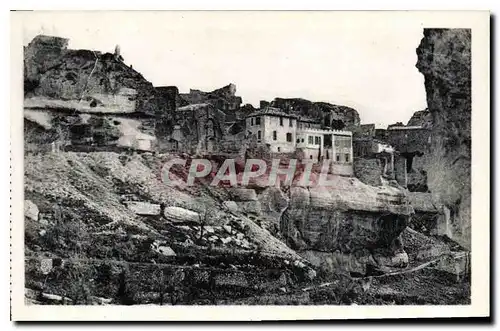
[251, 121]
[311, 157]
[298, 140]
[302, 139]
[337, 157]
[275, 135]
[317, 140]
[310, 140]
[279, 149]
[347, 158]
[290, 123]
[257, 121]
[281, 121]
[259, 135]
[289, 137]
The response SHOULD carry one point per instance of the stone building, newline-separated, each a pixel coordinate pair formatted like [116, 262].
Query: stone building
[409, 139]
[288, 133]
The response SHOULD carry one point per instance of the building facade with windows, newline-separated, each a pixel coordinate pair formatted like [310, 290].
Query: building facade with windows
[273, 127]
[287, 133]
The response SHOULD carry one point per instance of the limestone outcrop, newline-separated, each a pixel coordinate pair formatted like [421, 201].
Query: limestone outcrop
[89, 77]
[351, 220]
[444, 59]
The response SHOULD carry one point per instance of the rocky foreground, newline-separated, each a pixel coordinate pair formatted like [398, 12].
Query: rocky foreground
[97, 217]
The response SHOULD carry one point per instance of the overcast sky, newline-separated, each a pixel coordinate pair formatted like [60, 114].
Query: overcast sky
[367, 63]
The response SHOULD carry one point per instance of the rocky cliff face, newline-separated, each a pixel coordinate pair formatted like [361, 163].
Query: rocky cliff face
[54, 71]
[444, 58]
[84, 97]
[338, 117]
[421, 118]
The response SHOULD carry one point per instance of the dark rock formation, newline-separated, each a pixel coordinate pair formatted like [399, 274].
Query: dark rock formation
[335, 116]
[444, 58]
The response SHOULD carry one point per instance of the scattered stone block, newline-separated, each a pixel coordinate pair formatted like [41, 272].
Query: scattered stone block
[179, 214]
[143, 208]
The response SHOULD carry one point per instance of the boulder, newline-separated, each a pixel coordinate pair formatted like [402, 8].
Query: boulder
[161, 248]
[31, 210]
[231, 206]
[179, 214]
[339, 224]
[143, 208]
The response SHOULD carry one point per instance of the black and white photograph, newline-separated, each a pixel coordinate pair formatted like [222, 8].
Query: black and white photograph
[250, 158]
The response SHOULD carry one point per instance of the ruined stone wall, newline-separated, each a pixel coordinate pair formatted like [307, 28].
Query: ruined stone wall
[201, 128]
[368, 170]
[400, 170]
[168, 98]
[415, 146]
[409, 140]
[224, 98]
